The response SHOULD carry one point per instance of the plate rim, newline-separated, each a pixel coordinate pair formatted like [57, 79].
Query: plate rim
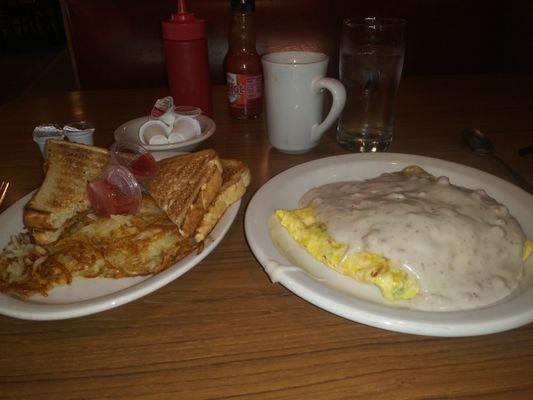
[455, 324]
[211, 127]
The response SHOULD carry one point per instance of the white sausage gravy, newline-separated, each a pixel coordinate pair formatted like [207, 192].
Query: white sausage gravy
[462, 245]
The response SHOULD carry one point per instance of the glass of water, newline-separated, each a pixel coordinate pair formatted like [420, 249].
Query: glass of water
[370, 66]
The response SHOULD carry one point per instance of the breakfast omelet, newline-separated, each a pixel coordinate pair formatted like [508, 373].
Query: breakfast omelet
[414, 236]
[393, 281]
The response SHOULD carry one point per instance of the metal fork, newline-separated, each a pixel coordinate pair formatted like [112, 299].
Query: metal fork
[4, 185]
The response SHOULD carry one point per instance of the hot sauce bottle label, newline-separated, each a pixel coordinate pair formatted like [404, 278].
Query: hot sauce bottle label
[243, 88]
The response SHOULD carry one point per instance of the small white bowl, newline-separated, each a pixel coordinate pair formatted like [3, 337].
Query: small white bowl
[130, 131]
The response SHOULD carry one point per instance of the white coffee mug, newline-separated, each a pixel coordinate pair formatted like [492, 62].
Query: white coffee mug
[294, 83]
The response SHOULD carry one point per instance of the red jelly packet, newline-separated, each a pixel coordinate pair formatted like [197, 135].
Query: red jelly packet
[135, 158]
[115, 191]
[161, 106]
[143, 167]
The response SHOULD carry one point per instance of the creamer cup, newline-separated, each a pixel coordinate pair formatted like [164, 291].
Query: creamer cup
[45, 132]
[185, 128]
[80, 132]
[154, 131]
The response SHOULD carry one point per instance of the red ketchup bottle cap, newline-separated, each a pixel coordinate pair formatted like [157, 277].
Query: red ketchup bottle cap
[183, 25]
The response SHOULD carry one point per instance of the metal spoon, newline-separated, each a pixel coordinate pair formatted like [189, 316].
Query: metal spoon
[478, 142]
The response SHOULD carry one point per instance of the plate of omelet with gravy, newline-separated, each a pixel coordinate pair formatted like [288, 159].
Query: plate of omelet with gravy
[399, 242]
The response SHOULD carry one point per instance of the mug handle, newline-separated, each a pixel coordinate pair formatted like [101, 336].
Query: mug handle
[339, 98]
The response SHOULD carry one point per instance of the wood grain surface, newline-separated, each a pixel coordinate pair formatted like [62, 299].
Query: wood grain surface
[223, 330]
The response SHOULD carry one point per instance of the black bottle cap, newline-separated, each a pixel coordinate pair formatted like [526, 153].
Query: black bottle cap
[242, 6]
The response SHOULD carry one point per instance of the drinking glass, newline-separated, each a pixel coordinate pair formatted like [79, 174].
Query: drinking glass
[370, 65]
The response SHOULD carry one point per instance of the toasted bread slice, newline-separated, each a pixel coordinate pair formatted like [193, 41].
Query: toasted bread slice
[63, 194]
[184, 187]
[235, 179]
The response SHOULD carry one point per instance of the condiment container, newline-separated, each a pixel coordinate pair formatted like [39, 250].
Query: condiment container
[161, 106]
[170, 124]
[244, 74]
[187, 60]
[118, 190]
[189, 111]
[185, 128]
[45, 132]
[80, 132]
[115, 191]
[135, 158]
[154, 132]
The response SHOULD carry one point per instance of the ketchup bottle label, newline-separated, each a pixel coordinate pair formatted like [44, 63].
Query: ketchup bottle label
[243, 88]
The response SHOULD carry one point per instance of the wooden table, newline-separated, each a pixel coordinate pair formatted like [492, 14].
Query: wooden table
[223, 330]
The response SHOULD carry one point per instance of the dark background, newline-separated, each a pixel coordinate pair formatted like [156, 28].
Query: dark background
[87, 44]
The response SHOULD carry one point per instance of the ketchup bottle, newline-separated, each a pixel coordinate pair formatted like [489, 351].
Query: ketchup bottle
[244, 74]
[187, 60]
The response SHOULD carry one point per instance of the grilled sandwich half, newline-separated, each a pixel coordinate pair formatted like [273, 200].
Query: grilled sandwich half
[62, 196]
[185, 186]
[235, 179]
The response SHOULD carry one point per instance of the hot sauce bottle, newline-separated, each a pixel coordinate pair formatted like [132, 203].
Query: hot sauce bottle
[244, 74]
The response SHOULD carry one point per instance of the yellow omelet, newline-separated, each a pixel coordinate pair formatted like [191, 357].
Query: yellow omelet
[393, 281]
[528, 249]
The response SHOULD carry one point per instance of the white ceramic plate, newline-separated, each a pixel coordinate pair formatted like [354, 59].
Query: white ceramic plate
[130, 131]
[88, 296]
[347, 298]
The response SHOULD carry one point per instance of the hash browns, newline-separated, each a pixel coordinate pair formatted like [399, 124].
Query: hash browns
[116, 247]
